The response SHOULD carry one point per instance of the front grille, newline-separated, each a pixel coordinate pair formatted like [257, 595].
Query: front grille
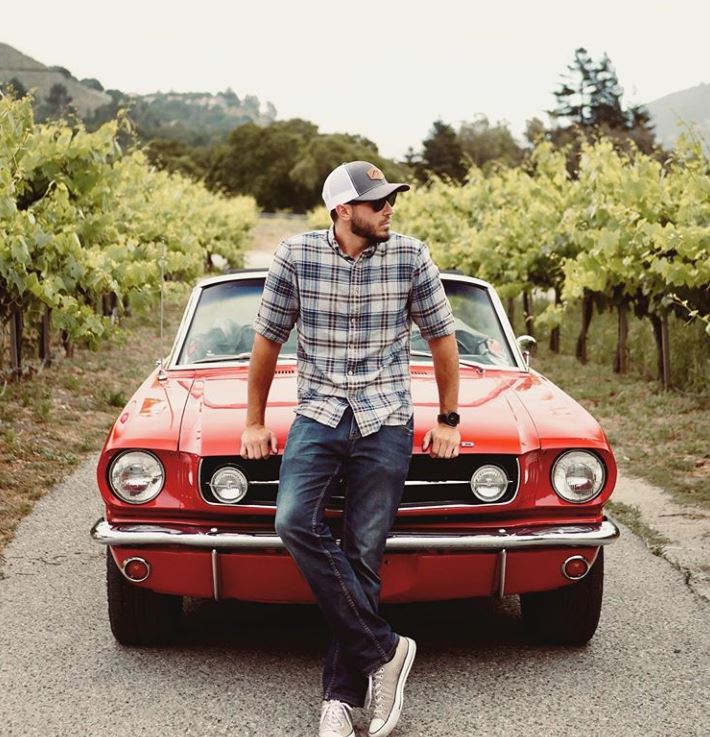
[430, 482]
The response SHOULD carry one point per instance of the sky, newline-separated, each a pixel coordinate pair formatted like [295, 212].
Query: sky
[384, 69]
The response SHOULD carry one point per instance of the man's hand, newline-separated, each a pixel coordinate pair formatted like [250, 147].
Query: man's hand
[258, 442]
[444, 441]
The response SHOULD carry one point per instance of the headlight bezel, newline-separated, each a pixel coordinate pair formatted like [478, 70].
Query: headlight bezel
[122, 456]
[588, 452]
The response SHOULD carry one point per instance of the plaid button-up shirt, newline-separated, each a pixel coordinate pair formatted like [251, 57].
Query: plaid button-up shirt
[353, 318]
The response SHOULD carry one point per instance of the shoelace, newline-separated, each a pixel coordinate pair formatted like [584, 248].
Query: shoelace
[377, 691]
[336, 715]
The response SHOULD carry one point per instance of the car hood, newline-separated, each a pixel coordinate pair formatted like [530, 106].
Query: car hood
[501, 412]
[152, 417]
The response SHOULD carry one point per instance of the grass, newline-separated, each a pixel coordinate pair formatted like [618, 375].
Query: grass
[661, 436]
[270, 231]
[631, 517]
[50, 422]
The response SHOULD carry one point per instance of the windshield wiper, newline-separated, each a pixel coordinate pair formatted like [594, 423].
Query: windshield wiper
[469, 364]
[235, 357]
[224, 357]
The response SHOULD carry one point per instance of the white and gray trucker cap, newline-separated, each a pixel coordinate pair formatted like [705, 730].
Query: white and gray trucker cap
[357, 180]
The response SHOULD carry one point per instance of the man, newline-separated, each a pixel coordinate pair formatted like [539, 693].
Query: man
[353, 290]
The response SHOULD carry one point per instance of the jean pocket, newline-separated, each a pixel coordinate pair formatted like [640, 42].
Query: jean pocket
[408, 427]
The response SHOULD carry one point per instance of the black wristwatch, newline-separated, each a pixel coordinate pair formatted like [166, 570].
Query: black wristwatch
[451, 419]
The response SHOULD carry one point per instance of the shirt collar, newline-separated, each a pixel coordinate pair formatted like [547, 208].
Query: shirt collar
[380, 248]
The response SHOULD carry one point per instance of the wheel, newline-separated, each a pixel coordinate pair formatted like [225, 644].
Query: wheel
[139, 616]
[569, 615]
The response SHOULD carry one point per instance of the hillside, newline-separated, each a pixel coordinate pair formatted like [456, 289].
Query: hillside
[690, 106]
[33, 75]
[194, 118]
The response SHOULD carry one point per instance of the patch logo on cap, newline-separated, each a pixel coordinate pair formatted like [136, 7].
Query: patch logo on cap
[375, 173]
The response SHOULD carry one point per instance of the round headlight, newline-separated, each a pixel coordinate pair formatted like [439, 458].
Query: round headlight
[136, 476]
[489, 483]
[229, 484]
[578, 476]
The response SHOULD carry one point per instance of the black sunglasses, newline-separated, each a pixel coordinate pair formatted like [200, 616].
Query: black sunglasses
[378, 205]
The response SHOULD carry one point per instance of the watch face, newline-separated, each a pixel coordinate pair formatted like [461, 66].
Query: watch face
[452, 419]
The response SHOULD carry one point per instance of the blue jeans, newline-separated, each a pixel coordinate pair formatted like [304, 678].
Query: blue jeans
[344, 578]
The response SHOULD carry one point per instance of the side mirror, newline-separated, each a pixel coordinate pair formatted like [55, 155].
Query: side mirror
[524, 343]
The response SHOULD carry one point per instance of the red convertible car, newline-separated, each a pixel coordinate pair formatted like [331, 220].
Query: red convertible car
[518, 512]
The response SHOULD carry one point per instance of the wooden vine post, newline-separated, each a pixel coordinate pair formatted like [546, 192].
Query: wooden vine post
[510, 309]
[665, 353]
[621, 360]
[16, 341]
[528, 314]
[587, 312]
[45, 351]
[67, 344]
[555, 332]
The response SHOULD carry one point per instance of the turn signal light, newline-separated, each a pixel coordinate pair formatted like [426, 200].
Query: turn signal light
[575, 567]
[136, 569]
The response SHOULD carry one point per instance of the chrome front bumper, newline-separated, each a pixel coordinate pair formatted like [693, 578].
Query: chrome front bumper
[561, 536]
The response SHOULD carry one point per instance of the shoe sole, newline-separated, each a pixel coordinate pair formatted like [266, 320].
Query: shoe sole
[352, 734]
[396, 712]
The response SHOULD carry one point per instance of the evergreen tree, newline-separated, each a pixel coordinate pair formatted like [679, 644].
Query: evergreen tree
[606, 107]
[590, 96]
[590, 104]
[442, 154]
[574, 98]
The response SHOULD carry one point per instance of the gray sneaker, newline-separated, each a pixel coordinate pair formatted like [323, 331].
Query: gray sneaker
[386, 692]
[335, 720]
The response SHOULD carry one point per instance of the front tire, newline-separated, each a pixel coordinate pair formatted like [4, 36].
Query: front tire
[568, 615]
[139, 616]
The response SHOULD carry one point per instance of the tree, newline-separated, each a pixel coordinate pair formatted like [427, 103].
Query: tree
[326, 151]
[62, 70]
[606, 98]
[574, 97]
[57, 104]
[172, 155]
[442, 154]
[535, 131]
[13, 88]
[589, 106]
[258, 160]
[590, 97]
[93, 84]
[283, 165]
[483, 143]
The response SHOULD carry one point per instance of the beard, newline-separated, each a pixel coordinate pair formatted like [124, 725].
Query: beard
[360, 227]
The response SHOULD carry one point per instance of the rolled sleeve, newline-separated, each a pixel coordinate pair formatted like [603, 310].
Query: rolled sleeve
[430, 308]
[278, 309]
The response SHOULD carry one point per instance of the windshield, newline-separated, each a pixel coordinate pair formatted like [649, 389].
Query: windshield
[221, 327]
[479, 333]
[222, 324]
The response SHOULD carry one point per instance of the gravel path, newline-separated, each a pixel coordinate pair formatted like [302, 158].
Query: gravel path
[248, 670]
